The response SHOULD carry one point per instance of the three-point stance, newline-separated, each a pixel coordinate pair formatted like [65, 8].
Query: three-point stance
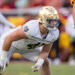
[33, 40]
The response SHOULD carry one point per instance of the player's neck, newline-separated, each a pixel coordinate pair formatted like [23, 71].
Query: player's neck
[43, 30]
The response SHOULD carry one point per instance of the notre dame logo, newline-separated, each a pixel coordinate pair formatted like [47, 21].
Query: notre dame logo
[26, 28]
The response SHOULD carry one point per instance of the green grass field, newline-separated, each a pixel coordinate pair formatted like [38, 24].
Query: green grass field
[23, 68]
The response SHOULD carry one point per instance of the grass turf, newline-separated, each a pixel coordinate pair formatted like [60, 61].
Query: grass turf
[23, 68]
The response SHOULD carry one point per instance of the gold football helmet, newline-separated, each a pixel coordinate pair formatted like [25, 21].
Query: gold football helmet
[48, 17]
[72, 2]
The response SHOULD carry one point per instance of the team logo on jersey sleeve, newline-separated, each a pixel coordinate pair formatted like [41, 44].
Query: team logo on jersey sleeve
[26, 28]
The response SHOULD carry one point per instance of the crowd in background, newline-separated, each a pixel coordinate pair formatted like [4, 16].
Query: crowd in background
[63, 49]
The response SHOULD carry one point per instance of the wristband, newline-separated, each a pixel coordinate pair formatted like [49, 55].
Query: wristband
[3, 53]
[40, 62]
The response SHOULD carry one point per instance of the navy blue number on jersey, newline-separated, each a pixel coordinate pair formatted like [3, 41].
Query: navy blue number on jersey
[31, 46]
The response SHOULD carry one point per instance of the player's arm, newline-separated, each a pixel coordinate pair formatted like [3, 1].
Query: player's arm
[14, 36]
[43, 56]
[45, 51]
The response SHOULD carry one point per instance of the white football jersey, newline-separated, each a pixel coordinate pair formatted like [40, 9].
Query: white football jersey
[32, 30]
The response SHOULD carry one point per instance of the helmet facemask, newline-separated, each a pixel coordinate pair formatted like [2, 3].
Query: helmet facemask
[51, 23]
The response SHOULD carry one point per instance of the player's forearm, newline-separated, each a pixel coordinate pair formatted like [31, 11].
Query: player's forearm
[43, 55]
[45, 51]
[7, 43]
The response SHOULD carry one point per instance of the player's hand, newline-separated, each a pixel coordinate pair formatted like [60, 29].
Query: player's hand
[3, 60]
[35, 68]
[38, 65]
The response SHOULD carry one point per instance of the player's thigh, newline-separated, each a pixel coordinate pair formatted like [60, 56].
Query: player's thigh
[32, 55]
[39, 49]
[11, 51]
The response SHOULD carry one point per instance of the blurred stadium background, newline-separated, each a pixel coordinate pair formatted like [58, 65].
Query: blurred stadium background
[62, 53]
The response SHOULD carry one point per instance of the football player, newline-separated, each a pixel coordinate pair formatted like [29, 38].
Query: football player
[4, 21]
[33, 40]
[73, 4]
